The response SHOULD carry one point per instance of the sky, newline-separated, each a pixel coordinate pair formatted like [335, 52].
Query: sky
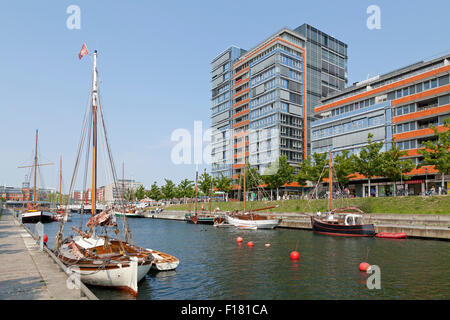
[154, 64]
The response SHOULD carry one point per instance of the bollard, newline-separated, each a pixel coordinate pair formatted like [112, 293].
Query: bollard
[39, 229]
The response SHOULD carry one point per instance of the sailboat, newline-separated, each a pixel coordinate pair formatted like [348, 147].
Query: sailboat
[61, 214]
[129, 211]
[341, 221]
[248, 219]
[203, 217]
[36, 213]
[100, 259]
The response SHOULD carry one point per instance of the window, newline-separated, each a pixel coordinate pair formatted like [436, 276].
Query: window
[426, 85]
[434, 83]
[419, 87]
[399, 94]
[444, 80]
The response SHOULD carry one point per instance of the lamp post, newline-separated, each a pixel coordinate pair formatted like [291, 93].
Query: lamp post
[426, 180]
[401, 180]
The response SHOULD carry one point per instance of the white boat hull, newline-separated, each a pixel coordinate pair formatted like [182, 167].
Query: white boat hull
[252, 224]
[126, 278]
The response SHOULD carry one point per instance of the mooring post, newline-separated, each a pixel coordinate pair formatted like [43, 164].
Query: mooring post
[40, 232]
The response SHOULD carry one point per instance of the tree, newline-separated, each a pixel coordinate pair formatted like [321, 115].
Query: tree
[393, 167]
[185, 189]
[301, 177]
[314, 168]
[154, 193]
[140, 193]
[369, 161]
[252, 178]
[204, 182]
[436, 152]
[168, 190]
[343, 167]
[129, 195]
[224, 184]
[278, 174]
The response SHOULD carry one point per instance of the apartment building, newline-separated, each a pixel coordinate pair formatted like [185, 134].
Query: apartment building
[221, 117]
[260, 97]
[399, 105]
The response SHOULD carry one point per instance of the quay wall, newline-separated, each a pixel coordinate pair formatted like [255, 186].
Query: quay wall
[414, 225]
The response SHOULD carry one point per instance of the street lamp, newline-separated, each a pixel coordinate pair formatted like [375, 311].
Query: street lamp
[426, 180]
[401, 179]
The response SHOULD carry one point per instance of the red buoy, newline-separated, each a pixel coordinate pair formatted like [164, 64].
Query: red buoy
[250, 244]
[45, 238]
[239, 239]
[363, 266]
[295, 255]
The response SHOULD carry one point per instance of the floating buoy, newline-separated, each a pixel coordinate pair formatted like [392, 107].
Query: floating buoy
[267, 245]
[45, 238]
[250, 244]
[363, 266]
[295, 255]
[239, 239]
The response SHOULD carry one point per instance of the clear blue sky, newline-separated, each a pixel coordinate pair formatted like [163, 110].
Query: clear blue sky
[154, 61]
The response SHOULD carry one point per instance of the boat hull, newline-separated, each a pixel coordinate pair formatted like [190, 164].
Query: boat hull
[361, 230]
[129, 215]
[37, 216]
[387, 235]
[125, 278]
[199, 219]
[252, 224]
[163, 261]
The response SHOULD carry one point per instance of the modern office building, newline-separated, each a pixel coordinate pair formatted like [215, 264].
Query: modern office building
[221, 117]
[326, 63]
[260, 97]
[398, 105]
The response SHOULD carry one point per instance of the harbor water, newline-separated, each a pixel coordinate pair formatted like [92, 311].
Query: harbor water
[214, 266]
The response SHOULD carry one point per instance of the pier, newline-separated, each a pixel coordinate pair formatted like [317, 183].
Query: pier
[26, 272]
[414, 225]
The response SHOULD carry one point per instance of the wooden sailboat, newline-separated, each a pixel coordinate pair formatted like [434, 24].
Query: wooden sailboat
[36, 213]
[248, 219]
[341, 221]
[101, 260]
[129, 211]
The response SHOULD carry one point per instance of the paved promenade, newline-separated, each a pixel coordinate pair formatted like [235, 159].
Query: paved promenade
[25, 272]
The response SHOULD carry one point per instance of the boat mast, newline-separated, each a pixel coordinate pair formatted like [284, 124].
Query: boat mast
[123, 186]
[210, 196]
[35, 170]
[331, 182]
[60, 180]
[94, 136]
[196, 191]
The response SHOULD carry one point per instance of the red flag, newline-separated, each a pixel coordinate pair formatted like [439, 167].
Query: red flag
[84, 51]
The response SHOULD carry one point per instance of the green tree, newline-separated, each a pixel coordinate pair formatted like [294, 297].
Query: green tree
[313, 169]
[368, 162]
[129, 195]
[185, 189]
[393, 167]
[278, 174]
[436, 152]
[154, 193]
[344, 167]
[204, 182]
[301, 177]
[168, 190]
[140, 193]
[252, 178]
[224, 184]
